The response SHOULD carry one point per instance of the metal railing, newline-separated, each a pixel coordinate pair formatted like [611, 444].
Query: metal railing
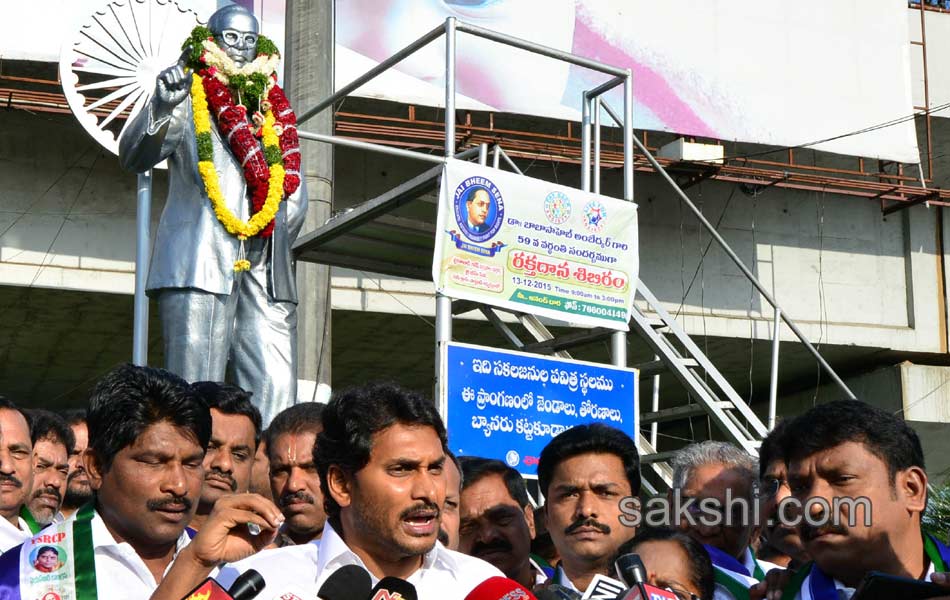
[591, 103]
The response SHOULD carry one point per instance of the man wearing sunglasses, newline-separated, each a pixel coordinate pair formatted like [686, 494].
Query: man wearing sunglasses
[716, 482]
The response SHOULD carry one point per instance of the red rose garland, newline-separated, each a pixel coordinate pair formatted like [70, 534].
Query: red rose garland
[234, 126]
[289, 143]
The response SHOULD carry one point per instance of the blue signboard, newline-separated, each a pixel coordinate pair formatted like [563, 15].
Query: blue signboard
[508, 405]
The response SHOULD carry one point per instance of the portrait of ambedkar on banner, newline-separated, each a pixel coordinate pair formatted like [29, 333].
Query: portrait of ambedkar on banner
[478, 208]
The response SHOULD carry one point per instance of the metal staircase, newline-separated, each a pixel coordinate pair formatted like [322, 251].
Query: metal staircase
[393, 234]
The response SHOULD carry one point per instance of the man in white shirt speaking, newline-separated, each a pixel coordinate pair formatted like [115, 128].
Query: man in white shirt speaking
[148, 432]
[380, 458]
[16, 474]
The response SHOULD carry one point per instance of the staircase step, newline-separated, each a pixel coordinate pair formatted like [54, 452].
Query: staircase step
[569, 341]
[649, 369]
[679, 412]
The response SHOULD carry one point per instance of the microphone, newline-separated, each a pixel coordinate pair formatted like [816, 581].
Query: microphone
[245, 587]
[248, 585]
[393, 588]
[499, 588]
[602, 587]
[630, 568]
[346, 583]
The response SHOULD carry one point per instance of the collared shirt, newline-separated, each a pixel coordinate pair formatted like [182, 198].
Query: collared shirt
[540, 577]
[749, 561]
[11, 536]
[845, 592]
[120, 572]
[561, 578]
[300, 571]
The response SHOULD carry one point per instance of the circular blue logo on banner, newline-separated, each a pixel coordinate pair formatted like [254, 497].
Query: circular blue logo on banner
[557, 207]
[479, 208]
[512, 458]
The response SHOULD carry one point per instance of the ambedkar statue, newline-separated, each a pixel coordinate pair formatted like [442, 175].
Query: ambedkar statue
[221, 268]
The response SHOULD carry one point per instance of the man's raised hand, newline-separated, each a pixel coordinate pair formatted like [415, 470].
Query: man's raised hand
[171, 87]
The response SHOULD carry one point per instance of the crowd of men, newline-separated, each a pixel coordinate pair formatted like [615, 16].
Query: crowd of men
[161, 484]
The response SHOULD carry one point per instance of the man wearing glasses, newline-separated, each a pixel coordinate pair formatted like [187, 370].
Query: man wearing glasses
[781, 542]
[717, 483]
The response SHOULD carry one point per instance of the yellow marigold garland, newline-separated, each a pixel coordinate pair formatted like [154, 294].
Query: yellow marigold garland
[275, 187]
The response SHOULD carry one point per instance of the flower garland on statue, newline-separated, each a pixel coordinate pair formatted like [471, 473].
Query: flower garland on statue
[270, 174]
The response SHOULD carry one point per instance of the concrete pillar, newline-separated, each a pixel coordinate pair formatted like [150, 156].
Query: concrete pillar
[308, 79]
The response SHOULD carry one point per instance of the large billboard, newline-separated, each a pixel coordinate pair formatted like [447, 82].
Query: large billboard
[762, 71]
[508, 405]
[534, 246]
[29, 30]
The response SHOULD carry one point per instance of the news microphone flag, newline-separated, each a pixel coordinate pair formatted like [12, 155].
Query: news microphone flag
[245, 587]
[500, 588]
[393, 588]
[603, 588]
[209, 590]
[645, 591]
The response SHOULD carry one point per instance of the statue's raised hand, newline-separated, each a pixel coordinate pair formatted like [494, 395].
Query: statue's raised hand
[171, 87]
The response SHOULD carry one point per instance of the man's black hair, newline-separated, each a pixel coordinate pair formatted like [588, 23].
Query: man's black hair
[828, 425]
[47, 425]
[700, 565]
[302, 417]
[129, 399]
[595, 438]
[74, 416]
[771, 448]
[475, 468]
[230, 400]
[458, 467]
[353, 417]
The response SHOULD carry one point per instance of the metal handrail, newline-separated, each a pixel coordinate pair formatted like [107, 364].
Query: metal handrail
[735, 258]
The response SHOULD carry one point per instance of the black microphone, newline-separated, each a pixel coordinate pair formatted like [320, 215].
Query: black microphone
[630, 569]
[349, 582]
[248, 585]
[393, 588]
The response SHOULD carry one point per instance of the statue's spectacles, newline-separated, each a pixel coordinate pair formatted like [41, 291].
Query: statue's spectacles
[233, 37]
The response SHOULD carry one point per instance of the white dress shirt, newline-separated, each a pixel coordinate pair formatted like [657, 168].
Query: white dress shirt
[298, 572]
[11, 536]
[120, 573]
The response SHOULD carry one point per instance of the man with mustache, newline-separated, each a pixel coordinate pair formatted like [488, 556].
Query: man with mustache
[235, 433]
[148, 432]
[16, 474]
[380, 457]
[584, 473]
[781, 542]
[849, 449]
[449, 525]
[78, 491]
[716, 483]
[497, 519]
[294, 482]
[52, 440]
